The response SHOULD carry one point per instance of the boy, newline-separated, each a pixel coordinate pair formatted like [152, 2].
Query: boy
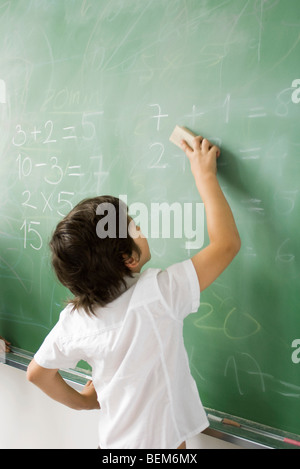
[128, 325]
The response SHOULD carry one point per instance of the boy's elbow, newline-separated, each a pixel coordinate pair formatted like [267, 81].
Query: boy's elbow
[237, 244]
[30, 373]
[33, 372]
[230, 248]
[234, 245]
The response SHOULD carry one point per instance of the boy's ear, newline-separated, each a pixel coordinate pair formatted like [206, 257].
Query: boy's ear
[131, 262]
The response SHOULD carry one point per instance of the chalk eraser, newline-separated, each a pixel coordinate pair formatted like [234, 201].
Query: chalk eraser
[181, 133]
[2, 351]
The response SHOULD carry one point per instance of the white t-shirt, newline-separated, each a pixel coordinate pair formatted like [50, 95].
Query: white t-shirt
[140, 367]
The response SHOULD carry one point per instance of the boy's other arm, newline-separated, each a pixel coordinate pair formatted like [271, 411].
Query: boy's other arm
[224, 240]
[50, 381]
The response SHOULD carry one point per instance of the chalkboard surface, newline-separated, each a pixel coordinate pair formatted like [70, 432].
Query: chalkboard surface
[90, 92]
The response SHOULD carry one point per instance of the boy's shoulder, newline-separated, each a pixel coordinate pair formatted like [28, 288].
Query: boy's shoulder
[178, 270]
[176, 288]
[155, 283]
[144, 289]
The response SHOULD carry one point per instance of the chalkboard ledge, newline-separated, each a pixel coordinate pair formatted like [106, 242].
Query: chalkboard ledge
[242, 436]
[19, 358]
[250, 434]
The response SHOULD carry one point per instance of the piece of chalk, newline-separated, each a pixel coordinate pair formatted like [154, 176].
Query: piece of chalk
[231, 422]
[181, 133]
[291, 442]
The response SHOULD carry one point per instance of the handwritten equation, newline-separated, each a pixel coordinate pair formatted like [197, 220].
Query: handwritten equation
[54, 170]
[47, 179]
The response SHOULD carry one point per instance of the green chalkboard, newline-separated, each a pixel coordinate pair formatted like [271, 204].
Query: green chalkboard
[90, 91]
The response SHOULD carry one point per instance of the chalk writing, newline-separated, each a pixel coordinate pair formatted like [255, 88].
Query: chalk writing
[282, 256]
[283, 100]
[227, 108]
[232, 361]
[27, 199]
[24, 166]
[89, 124]
[195, 113]
[100, 174]
[285, 200]
[35, 164]
[29, 229]
[156, 163]
[158, 116]
[257, 371]
[2, 92]
[248, 326]
[291, 387]
[253, 205]
[257, 112]
[47, 131]
[251, 153]
[20, 138]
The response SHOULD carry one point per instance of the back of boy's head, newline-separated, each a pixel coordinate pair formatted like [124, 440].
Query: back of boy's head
[92, 267]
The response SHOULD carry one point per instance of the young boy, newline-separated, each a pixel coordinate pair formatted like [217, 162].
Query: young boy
[128, 325]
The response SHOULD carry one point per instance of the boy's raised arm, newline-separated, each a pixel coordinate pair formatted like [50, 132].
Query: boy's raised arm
[224, 240]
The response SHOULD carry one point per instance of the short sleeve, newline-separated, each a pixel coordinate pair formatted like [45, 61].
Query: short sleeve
[55, 353]
[179, 287]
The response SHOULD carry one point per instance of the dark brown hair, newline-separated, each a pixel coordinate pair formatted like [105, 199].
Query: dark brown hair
[92, 267]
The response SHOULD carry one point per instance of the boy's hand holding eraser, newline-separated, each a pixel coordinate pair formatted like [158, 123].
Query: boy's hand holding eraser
[182, 133]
